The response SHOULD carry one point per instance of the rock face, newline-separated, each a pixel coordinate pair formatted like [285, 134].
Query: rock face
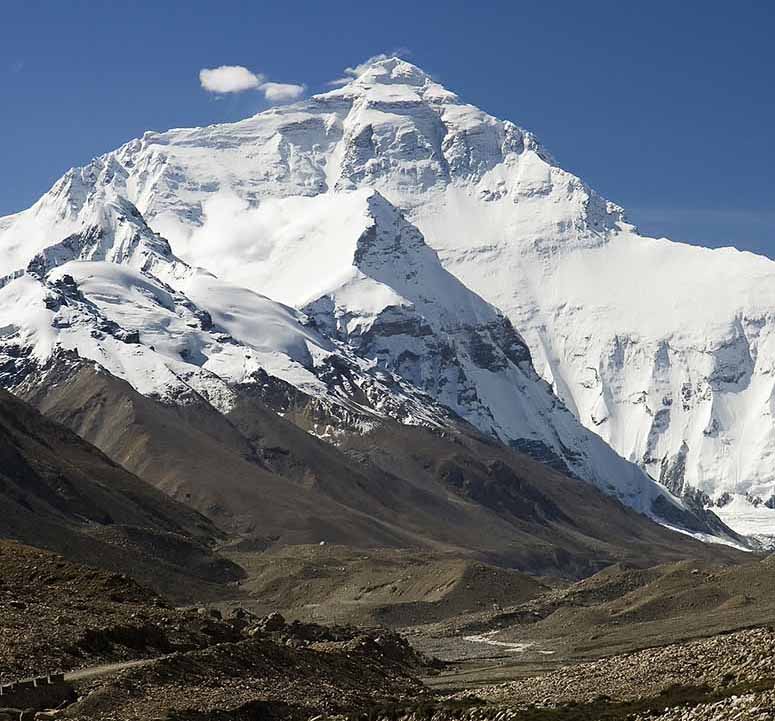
[284, 204]
[397, 305]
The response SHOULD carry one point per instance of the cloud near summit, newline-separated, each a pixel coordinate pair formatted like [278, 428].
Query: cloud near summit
[229, 79]
[238, 79]
[281, 92]
[360, 68]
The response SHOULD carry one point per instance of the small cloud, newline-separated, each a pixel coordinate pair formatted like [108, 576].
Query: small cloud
[17, 66]
[362, 67]
[338, 82]
[282, 92]
[238, 79]
[229, 79]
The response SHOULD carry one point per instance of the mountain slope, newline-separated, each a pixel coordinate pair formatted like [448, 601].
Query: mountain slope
[262, 477]
[61, 493]
[632, 332]
[116, 294]
[386, 295]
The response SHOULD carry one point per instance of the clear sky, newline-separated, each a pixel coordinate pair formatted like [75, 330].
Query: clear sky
[667, 108]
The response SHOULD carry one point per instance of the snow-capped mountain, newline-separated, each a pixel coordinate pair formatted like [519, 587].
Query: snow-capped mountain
[381, 307]
[115, 293]
[385, 294]
[335, 206]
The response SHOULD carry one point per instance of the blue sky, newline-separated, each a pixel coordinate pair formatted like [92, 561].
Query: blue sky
[666, 108]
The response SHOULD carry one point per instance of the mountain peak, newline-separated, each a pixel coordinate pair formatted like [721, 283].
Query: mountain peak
[391, 70]
[390, 79]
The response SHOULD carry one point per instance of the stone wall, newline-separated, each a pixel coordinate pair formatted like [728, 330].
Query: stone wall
[41, 692]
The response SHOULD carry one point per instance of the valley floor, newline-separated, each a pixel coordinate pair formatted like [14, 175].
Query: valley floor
[688, 640]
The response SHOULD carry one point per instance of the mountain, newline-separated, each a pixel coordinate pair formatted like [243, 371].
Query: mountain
[59, 492]
[385, 294]
[365, 209]
[115, 293]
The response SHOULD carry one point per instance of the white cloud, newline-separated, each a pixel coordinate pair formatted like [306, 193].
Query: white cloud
[229, 79]
[338, 82]
[362, 67]
[282, 92]
[359, 69]
[238, 79]
[233, 234]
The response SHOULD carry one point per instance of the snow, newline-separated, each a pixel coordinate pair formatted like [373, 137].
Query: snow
[26, 321]
[24, 317]
[252, 318]
[171, 336]
[289, 249]
[648, 322]
[757, 521]
[651, 345]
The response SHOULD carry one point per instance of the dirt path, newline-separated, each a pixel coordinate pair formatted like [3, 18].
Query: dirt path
[511, 647]
[107, 668]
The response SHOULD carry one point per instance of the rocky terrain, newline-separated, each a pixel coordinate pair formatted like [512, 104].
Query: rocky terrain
[267, 677]
[722, 660]
[59, 615]
[129, 654]
[720, 678]
[620, 610]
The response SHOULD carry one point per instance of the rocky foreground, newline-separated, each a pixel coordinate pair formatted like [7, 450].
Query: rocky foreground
[727, 677]
[746, 657]
[264, 677]
[128, 655]
[57, 615]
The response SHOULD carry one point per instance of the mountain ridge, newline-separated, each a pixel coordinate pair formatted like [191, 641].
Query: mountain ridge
[59, 492]
[261, 477]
